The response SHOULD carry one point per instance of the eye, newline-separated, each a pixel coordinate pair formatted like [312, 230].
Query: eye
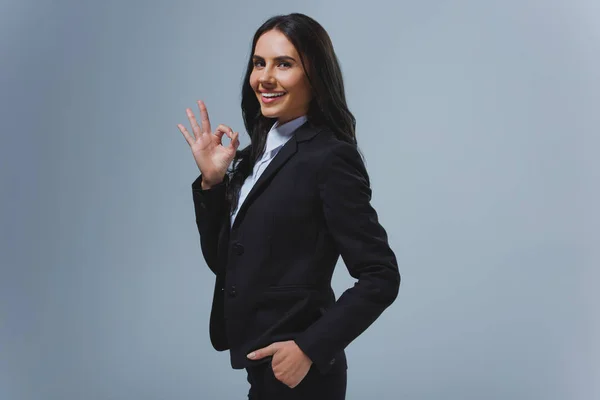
[258, 63]
[285, 64]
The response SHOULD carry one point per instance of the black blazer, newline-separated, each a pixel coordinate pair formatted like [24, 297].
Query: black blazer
[274, 266]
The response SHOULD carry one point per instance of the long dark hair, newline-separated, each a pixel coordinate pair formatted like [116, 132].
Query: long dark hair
[328, 105]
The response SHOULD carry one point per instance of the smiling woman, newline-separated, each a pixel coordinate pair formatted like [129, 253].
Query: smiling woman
[279, 78]
[275, 217]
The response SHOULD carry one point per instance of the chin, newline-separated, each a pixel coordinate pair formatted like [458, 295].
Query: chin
[269, 113]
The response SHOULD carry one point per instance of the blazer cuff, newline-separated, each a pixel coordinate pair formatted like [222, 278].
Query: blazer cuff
[212, 199]
[323, 362]
[197, 184]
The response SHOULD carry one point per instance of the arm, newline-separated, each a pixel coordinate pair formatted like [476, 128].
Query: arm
[210, 206]
[362, 243]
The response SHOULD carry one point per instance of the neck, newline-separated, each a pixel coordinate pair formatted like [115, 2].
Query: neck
[285, 120]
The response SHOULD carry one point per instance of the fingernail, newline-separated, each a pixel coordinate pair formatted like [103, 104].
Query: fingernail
[251, 355]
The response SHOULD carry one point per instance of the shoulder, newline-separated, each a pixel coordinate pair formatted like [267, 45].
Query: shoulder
[324, 144]
[333, 157]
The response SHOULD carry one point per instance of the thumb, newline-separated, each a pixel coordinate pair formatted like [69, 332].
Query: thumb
[235, 142]
[264, 352]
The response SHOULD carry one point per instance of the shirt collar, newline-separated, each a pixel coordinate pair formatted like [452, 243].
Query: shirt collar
[279, 135]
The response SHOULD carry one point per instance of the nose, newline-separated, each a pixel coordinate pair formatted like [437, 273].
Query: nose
[267, 78]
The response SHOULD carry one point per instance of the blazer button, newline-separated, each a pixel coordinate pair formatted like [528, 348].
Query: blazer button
[238, 249]
[232, 291]
[332, 361]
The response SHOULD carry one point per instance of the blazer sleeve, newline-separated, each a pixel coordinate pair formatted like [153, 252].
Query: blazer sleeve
[362, 242]
[211, 209]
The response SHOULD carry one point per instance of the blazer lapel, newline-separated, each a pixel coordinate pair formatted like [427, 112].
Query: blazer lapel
[304, 132]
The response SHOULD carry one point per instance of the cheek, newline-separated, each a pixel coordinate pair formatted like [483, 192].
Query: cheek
[302, 91]
[295, 84]
[307, 92]
[304, 86]
[254, 81]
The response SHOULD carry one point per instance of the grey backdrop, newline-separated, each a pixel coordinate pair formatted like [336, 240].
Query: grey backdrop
[479, 123]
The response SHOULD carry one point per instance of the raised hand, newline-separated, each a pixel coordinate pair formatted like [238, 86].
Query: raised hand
[212, 157]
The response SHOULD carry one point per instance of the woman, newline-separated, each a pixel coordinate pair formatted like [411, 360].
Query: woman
[274, 218]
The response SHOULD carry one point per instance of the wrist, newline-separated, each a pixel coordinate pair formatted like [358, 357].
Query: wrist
[208, 184]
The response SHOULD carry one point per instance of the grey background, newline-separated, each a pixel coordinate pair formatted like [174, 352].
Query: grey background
[479, 123]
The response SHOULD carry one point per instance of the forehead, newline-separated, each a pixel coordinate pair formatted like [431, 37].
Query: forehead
[273, 43]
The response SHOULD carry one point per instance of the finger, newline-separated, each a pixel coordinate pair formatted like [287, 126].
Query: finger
[235, 143]
[223, 129]
[186, 135]
[204, 120]
[195, 126]
[285, 375]
[278, 373]
[264, 352]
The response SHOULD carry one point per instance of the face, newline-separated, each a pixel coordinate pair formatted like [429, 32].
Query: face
[278, 78]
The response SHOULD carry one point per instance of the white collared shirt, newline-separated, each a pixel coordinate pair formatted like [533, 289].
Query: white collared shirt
[276, 138]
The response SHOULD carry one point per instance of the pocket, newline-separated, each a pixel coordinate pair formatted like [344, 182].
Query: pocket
[291, 287]
[270, 378]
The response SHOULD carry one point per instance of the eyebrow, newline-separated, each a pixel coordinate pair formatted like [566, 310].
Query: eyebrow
[278, 58]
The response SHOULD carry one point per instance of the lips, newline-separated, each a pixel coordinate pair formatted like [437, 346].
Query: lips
[270, 97]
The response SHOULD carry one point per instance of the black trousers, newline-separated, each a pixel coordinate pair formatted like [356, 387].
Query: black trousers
[315, 386]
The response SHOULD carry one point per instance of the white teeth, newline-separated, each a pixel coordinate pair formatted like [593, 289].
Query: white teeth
[273, 94]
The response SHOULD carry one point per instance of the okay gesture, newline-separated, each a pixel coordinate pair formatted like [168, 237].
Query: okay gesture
[212, 157]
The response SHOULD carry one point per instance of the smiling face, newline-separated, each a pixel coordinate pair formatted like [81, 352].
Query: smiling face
[278, 78]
